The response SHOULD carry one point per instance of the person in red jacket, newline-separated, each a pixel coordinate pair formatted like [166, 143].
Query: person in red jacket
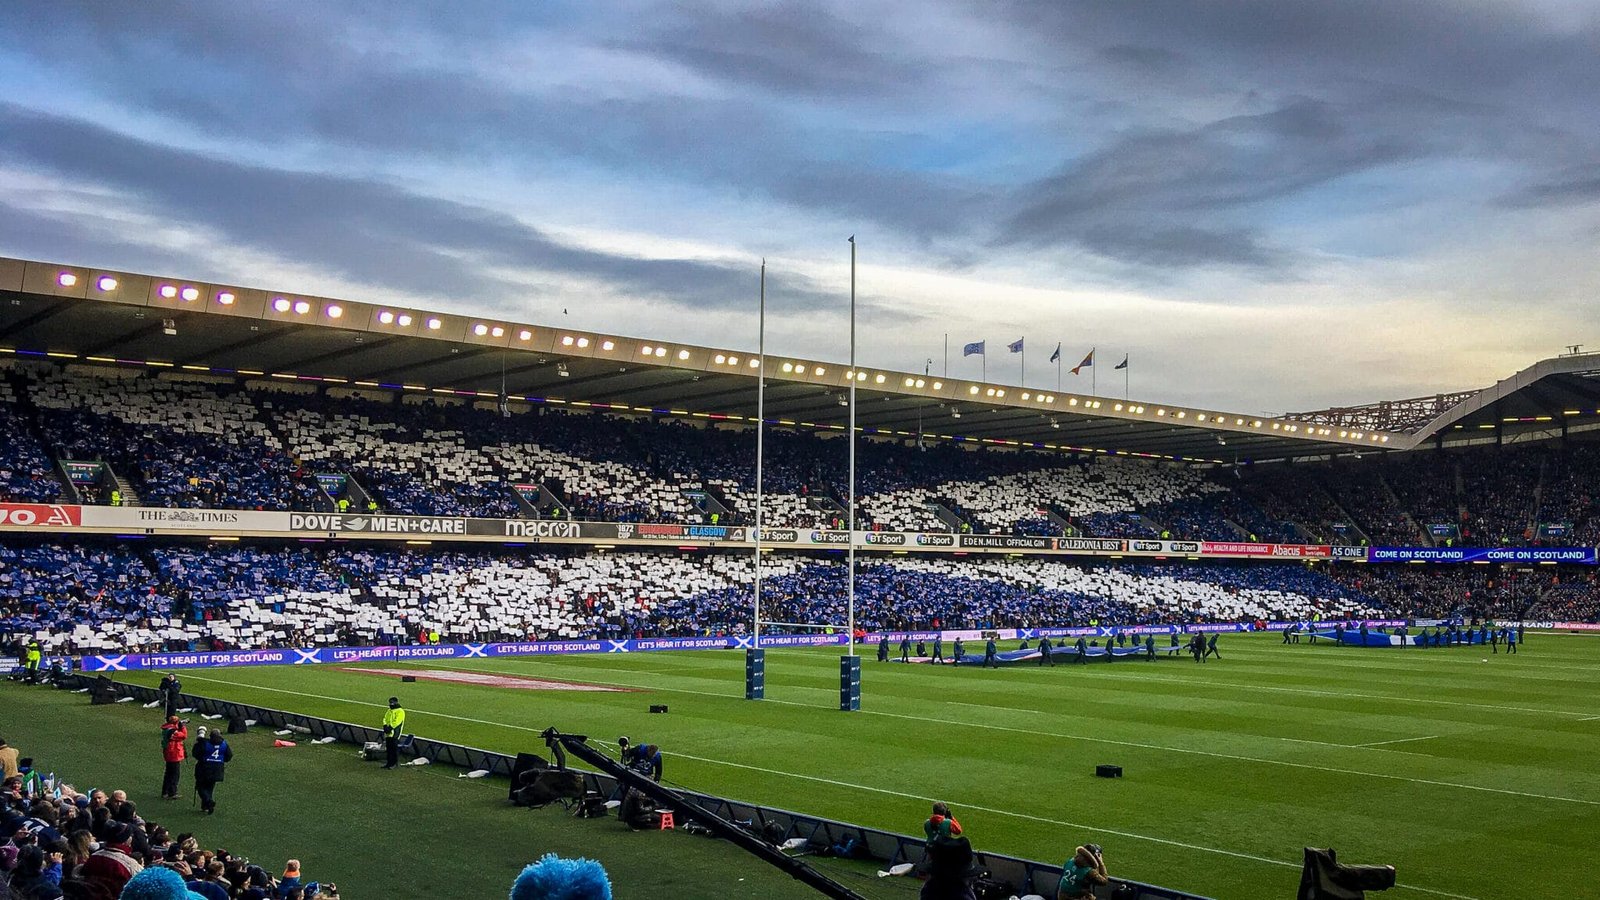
[173, 734]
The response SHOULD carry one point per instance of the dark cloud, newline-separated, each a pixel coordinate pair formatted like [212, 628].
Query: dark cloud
[366, 231]
[1184, 198]
[1161, 136]
[788, 48]
[1579, 185]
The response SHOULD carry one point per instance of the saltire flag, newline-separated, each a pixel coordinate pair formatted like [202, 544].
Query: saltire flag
[975, 348]
[1015, 346]
[1124, 363]
[1056, 355]
[1088, 362]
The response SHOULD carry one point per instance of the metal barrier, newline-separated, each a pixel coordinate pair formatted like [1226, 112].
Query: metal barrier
[1027, 876]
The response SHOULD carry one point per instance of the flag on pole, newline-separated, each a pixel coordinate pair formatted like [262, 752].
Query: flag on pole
[1124, 363]
[975, 348]
[1088, 362]
[1015, 346]
[1056, 355]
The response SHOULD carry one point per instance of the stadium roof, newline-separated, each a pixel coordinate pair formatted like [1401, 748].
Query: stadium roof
[73, 313]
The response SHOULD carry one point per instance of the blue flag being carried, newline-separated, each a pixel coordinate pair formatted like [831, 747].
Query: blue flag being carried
[973, 348]
[1015, 346]
[1056, 355]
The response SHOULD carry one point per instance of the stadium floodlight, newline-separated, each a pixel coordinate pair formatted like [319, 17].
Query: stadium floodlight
[733, 360]
[66, 279]
[385, 317]
[582, 342]
[281, 304]
[921, 382]
[404, 321]
[973, 389]
[106, 283]
[524, 335]
[788, 367]
[334, 311]
[938, 385]
[168, 291]
[683, 354]
[225, 298]
[301, 307]
[434, 324]
[647, 350]
[819, 371]
[661, 351]
[612, 345]
[497, 331]
[755, 362]
[190, 293]
[480, 329]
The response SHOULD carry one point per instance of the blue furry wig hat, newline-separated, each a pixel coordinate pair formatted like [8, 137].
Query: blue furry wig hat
[157, 884]
[554, 878]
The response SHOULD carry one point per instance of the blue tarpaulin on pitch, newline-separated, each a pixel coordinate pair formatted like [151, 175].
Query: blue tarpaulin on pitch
[1063, 654]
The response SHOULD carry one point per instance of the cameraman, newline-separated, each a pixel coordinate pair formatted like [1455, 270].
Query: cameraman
[169, 689]
[173, 734]
[211, 755]
[642, 758]
[1082, 873]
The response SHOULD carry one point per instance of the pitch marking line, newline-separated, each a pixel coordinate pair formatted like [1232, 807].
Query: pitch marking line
[1590, 719]
[990, 706]
[844, 784]
[1400, 741]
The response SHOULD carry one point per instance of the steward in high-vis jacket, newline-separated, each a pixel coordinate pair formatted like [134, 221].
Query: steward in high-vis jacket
[394, 721]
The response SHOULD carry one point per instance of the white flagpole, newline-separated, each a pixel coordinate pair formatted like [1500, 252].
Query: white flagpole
[1094, 374]
[1022, 376]
[1127, 375]
[761, 417]
[850, 615]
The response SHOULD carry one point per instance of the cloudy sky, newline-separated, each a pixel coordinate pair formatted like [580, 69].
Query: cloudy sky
[1271, 205]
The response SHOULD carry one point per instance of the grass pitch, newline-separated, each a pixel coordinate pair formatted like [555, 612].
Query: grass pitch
[1467, 776]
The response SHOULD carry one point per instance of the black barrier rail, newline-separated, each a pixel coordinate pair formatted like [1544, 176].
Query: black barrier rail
[890, 848]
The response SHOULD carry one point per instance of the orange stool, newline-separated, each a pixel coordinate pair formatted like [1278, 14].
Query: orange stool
[666, 819]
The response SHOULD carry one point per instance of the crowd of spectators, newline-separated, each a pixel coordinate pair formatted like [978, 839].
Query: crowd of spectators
[178, 439]
[57, 842]
[138, 597]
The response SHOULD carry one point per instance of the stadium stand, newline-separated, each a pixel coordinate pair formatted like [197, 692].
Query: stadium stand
[229, 596]
[171, 439]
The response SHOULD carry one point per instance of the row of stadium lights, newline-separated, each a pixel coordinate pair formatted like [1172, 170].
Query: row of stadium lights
[190, 293]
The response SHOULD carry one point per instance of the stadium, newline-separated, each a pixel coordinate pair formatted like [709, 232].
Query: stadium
[870, 450]
[284, 498]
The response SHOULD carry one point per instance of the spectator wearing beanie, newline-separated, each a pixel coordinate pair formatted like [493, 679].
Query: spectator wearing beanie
[113, 864]
[555, 878]
[156, 884]
[37, 876]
